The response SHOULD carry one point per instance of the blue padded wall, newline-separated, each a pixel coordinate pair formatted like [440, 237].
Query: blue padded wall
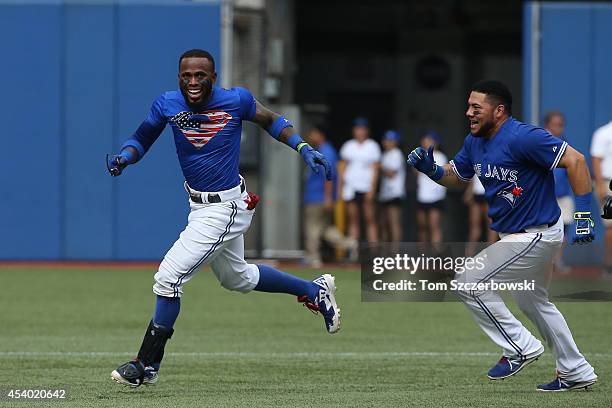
[575, 65]
[79, 79]
[31, 142]
[89, 100]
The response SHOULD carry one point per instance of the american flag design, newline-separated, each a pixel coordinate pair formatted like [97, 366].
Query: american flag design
[199, 128]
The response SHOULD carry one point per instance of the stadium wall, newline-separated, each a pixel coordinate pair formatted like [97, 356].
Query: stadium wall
[567, 64]
[78, 79]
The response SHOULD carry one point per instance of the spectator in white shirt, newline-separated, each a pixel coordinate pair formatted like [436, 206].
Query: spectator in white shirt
[392, 187]
[430, 195]
[601, 156]
[358, 171]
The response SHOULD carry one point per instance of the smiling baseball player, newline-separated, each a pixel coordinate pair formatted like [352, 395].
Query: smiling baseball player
[514, 161]
[206, 121]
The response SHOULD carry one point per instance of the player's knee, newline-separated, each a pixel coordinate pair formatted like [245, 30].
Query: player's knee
[165, 285]
[236, 278]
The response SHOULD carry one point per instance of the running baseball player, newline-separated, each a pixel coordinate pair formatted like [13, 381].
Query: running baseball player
[514, 161]
[206, 121]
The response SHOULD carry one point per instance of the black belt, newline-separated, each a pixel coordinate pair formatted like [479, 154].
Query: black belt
[550, 224]
[212, 197]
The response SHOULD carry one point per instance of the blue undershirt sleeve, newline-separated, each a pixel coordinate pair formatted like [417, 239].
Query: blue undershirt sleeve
[149, 130]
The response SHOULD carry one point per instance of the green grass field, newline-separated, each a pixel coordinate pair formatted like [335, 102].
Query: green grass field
[71, 328]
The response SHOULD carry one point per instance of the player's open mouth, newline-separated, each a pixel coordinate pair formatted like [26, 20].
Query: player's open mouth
[473, 124]
[194, 93]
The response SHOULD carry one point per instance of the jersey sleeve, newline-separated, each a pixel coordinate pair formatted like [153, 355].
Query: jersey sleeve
[150, 129]
[541, 148]
[462, 163]
[247, 103]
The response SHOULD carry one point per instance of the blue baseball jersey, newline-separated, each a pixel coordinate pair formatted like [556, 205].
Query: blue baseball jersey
[516, 169]
[207, 141]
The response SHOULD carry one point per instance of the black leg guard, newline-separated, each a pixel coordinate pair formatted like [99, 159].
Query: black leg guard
[152, 348]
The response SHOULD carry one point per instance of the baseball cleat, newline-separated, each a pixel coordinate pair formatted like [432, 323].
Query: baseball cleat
[558, 385]
[325, 302]
[131, 374]
[507, 367]
[150, 376]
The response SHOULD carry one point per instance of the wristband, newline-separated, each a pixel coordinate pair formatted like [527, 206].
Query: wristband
[136, 145]
[129, 155]
[294, 141]
[278, 125]
[583, 202]
[300, 146]
[437, 173]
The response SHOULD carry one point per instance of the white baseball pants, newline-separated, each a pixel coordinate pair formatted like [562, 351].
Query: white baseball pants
[515, 258]
[214, 235]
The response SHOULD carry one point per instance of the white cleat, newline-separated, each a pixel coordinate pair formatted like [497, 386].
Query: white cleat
[325, 302]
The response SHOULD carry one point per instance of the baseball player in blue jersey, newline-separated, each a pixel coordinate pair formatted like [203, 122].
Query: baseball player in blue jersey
[515, 163]
[206, 121]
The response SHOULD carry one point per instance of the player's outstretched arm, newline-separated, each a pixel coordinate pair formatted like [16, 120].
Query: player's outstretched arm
[282, 130]
[577, 170]
[423, 161]
[137, 145]
[134, 148]
[580, 180]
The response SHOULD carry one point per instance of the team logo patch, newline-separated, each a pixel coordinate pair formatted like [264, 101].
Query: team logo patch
[199, 128]
[511, 193]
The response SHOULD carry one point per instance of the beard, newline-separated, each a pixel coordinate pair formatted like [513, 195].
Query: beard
[206, 92]
[485, 128]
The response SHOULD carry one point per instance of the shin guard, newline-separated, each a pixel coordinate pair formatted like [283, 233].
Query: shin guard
[152, 348]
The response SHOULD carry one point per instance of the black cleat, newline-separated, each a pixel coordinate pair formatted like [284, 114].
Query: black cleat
[130, 374]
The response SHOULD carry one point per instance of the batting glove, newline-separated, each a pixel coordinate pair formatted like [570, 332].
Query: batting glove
[115, 164]
[584, 226]
[584, 231]
[314, 159]
[423, 161]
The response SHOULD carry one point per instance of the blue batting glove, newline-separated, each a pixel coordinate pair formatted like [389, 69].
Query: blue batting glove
[423, 161]
[314, 159]
[584, 226]
[116, 163]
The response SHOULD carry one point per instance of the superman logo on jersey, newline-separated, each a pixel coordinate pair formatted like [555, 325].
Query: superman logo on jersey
[199, 128]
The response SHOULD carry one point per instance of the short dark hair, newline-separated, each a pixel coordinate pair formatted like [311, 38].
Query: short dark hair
[197, 53]
[551, 114]
[495, 90]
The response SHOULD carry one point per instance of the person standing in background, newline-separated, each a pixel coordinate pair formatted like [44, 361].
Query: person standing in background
[358, 172]
[392, 187]
[554, 123]
[319, 199]
[601, 156]
[430, 195]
